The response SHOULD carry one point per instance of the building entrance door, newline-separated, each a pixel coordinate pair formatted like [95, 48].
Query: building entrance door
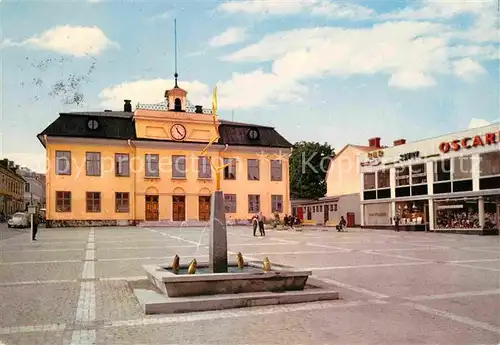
[178, 208]
[204, 208]
[300, 213]
[326, 213]
[152, 208]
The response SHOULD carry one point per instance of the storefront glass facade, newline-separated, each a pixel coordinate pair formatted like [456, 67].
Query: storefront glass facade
[457, 214]
[377, 214]
[412, 212]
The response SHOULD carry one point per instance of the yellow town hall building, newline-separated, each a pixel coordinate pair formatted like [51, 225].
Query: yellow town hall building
[124, 167]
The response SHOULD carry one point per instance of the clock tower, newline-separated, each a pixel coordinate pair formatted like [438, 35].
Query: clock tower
[176, 98]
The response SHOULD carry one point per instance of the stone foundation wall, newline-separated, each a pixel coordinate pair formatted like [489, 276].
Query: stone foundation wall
[87, 223]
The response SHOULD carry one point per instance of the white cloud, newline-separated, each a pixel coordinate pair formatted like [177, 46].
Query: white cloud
[485, 13]
[411, 80]
[467, 69]
[332, 9]
[410, 52]
[475, 123]
[78, 41]
[257, 89]
[228, 37]
[151, 91]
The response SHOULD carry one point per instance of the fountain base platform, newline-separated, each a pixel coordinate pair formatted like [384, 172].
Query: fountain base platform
[166, 292]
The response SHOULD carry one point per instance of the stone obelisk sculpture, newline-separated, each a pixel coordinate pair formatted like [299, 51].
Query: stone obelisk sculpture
[217, 245]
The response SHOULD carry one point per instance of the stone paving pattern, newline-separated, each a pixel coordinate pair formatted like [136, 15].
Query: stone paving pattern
[71, 287]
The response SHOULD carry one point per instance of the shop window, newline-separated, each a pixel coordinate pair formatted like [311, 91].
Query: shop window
[418, 174]
[402, 176]
[377, 214]
[489, 163]
[491, 216]
[383, 194]
[402, 192]
[370, 195]
[462, 168]
[441, 188]
[419, 190]
[462, 186]
[383, 179]
[369, 181]
[489, 183]
[457, 214]
[442, 171]
[412, 212]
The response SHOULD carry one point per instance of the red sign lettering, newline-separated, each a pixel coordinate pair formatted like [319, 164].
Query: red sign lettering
[464, 143]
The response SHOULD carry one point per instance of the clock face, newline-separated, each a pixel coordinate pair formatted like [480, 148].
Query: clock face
[178, 132]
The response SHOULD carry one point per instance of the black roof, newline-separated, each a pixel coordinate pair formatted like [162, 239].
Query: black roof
[120, 125]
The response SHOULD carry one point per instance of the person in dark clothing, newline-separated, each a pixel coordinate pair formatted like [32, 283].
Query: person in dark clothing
[396, 223]
[342, 223]
[35, 226]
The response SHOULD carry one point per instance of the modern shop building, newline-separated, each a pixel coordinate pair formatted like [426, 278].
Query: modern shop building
[446, 184]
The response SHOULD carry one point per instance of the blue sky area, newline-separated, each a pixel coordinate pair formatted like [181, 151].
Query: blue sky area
[339, 72]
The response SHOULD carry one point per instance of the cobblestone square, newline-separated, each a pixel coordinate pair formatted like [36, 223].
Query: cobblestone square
[71, 287]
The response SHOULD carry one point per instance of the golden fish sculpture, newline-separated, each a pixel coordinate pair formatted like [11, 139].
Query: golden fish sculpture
[240, 261]
[175, 264]
[266, 265]
[192, 267]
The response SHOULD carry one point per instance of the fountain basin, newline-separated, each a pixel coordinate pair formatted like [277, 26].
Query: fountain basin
[250, 279]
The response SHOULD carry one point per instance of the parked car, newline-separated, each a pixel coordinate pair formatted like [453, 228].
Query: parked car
[19, 220]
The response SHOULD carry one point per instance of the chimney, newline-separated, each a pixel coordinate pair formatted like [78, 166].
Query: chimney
[374, 142]
[127, 107]
[399, 142]
[199, 109]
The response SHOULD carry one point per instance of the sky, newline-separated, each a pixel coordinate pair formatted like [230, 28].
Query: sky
[330, 71]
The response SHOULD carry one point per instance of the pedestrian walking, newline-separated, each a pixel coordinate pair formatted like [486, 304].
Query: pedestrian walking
[261, 224]
[396, 223]
[255, 223]
[35, 226]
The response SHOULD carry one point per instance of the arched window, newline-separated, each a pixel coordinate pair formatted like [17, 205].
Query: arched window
[177, 104]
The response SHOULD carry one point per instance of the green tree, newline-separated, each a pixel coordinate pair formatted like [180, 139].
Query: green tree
[308, 166]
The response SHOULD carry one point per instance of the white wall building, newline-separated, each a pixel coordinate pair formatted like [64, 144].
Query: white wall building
[448, 184]
[34, 189]
[342, 198]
